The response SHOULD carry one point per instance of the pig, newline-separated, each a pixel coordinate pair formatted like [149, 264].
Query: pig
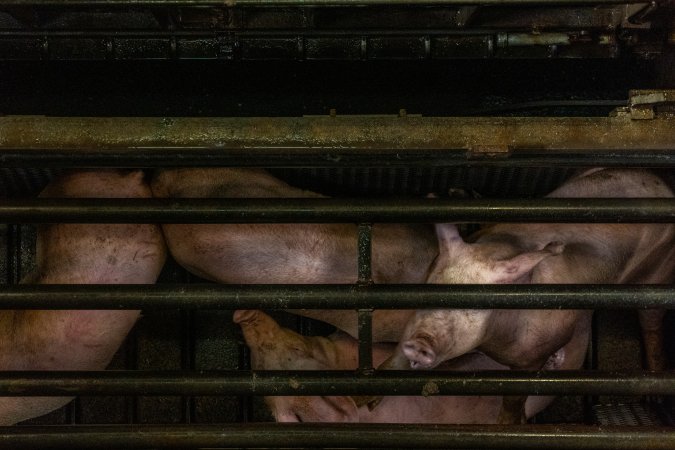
[541, 253]
[276, 348]
[79, 254]
[291, 253]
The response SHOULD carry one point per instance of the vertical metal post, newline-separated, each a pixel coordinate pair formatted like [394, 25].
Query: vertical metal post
[365, 325]
[590, 363]
[187, 361]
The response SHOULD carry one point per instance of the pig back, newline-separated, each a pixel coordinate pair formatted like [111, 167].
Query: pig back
[99, 253]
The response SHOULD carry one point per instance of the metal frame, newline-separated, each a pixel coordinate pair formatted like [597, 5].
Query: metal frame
[276, 142]
[357, 435]
[375, 141]
[303, 3]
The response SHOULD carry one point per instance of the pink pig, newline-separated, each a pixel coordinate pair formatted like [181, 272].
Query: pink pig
[79, 254]
[276, 348]
[542, 253]
[291, 253]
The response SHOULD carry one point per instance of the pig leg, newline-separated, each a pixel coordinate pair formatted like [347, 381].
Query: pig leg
[82, 254]
[276, 348]
[570, 356]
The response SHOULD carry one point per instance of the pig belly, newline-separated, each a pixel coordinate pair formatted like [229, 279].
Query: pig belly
[79, 254]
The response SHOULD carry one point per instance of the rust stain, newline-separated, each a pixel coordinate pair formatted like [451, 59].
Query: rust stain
[431, 388]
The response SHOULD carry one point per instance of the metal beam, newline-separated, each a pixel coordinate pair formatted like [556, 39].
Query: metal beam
[341, 141]
[394, 382]
[303, 210]
[303, 3]
[355, 435]
[378, 296]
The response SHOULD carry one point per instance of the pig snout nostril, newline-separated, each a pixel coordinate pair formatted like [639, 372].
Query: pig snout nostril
[419, 353]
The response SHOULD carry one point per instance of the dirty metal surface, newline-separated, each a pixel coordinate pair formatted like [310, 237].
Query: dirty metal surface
[377, 31]
[269, 3]
[29, 141]
[303, 435]
[337, 382]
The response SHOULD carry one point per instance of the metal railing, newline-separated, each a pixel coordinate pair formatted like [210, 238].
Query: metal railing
[96, 148]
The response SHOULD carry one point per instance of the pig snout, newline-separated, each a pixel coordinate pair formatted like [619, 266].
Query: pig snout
[419, 352]
[242, 316]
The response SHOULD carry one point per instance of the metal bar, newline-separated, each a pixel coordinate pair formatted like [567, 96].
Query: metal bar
[365, 278]
[365, 244]
[299, 157]
[357, 435]
[388, 382]
[298, 32]
[377, 296]
[303, 3]
[365, 328]
[305, 210]
[366, 141]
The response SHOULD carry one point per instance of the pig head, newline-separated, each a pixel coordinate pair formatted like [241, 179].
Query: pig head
[434, 336]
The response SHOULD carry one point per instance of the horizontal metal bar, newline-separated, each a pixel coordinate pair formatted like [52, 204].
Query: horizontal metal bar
[273, 210]
[301, 157]
[408, 382]
[292, 33]
[302, 3]
[356, 435]
[379, 296]
[341, 141]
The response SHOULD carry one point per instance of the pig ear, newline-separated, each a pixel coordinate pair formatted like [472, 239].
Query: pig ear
[512, 270]
[448, 236]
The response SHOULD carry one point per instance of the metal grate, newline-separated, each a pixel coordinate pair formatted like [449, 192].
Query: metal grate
[631, 414]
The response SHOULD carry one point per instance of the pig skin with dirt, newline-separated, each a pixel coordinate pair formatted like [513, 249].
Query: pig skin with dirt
[290, 253]
[543, 253]
[79, 254]
[277, 348]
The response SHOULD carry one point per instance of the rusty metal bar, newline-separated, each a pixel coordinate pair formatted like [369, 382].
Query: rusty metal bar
[365, 278]
[304, 210]
[387, 382]
[377, 296]
[367, 141]
[356, 435]
[365, 243]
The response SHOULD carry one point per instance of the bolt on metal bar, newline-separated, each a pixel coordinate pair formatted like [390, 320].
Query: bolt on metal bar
[366, 141]
[257, 210]
[343, 296]
[357, 435]
[292, 383]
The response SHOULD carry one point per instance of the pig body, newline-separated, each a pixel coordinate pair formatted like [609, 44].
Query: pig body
[539, 253]
[277, 348]
[79, 254]
[290, 253]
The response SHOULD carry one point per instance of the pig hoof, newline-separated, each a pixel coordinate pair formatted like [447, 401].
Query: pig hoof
[419, 353]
